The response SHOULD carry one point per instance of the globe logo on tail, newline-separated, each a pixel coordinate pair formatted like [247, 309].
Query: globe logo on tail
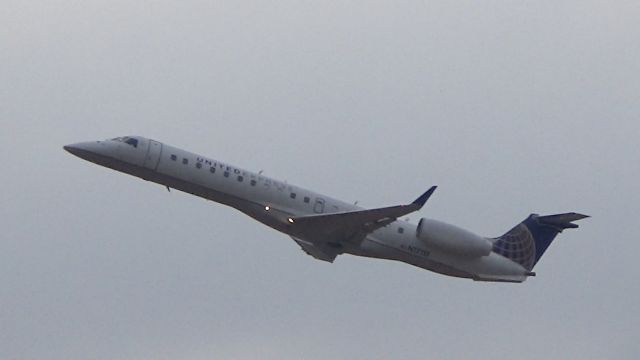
[517, 245]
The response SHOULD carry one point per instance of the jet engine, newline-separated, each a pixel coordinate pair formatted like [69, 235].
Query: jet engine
[451, 239]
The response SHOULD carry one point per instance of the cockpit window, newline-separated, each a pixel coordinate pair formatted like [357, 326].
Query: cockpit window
[127, 140]
[132, 141]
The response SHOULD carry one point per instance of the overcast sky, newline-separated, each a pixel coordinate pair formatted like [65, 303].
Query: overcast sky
[511, 107]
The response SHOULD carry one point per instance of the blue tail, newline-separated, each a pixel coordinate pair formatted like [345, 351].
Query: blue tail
[527, 241]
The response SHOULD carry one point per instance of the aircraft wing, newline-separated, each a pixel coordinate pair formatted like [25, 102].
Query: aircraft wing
[336, 228]
[322, 252]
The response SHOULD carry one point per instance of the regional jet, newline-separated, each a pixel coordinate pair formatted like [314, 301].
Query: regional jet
[325, 227]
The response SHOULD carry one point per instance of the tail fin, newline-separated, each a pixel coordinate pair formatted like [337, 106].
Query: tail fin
[527, 241]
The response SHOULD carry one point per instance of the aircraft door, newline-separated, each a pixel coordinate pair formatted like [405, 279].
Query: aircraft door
[152, 158]
[318, 207]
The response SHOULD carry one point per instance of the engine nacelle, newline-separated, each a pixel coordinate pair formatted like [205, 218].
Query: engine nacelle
[452, 239]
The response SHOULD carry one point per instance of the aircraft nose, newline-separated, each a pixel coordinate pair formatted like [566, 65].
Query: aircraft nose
[81, 150]
[69, 148]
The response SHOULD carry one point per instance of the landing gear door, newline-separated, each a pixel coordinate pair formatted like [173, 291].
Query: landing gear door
[152, 158]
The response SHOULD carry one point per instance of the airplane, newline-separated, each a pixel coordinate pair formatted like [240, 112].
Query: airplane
[325, 227]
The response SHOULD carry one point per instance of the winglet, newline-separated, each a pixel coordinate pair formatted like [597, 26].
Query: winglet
[424, 197]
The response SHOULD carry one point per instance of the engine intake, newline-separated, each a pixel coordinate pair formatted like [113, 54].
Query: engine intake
[452, 239]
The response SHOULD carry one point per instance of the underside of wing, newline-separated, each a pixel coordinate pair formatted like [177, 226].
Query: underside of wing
[319, 251]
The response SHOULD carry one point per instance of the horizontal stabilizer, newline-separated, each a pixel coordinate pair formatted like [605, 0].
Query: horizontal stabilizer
[562, 221]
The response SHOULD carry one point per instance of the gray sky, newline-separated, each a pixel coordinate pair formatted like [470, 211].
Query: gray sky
[511, 107]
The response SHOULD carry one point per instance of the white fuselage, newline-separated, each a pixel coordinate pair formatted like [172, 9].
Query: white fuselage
[272, 202]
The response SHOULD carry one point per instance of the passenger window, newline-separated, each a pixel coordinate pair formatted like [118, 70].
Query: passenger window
[185, 161]
[240, 178]
[226, 174]
[292, 195]
[306, 199]
[174, 158]
[253, 183]
[199, 165]
[212, 169]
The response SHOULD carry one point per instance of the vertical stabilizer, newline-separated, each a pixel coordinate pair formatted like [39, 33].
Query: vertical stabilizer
[527, 241]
